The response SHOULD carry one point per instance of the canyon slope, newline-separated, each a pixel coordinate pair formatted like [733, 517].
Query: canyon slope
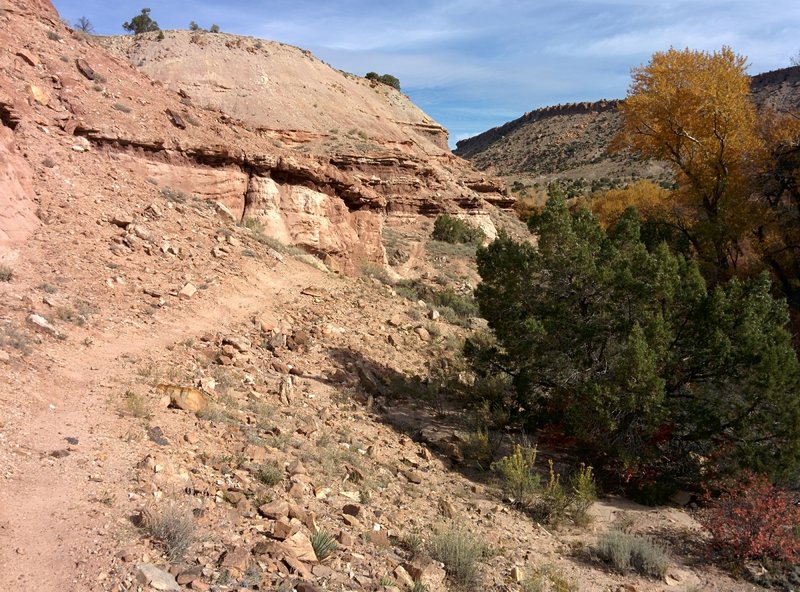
[571, 141]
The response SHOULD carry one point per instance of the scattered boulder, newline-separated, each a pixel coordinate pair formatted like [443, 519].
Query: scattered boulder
[156, 578]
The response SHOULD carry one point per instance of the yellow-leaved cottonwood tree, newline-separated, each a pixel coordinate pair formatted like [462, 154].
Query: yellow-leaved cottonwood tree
[693, 110]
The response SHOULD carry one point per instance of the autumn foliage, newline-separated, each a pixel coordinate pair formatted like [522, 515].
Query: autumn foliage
[751, 518]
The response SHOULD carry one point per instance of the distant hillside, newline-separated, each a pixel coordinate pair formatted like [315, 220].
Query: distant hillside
[571, 141]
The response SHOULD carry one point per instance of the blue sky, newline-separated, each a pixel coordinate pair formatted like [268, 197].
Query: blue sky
[475, 64]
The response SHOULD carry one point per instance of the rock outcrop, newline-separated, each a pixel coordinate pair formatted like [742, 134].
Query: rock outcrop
[323, 175]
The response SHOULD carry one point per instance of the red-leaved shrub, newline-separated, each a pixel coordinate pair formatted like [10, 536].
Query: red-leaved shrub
[750, 518]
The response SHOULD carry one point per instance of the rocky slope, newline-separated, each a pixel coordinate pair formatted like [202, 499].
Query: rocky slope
[571, 141]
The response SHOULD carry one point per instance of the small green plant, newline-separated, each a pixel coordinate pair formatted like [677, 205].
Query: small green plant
[419, 587]
[551, 507]
[584, 494]
[413, 542]
[386, 581]
[478, 447]
[520, 481]
[269, 474]
[172, 527]
[449, 229]
[6, 273]
[631, 552]
[323, 543]
[459, 550]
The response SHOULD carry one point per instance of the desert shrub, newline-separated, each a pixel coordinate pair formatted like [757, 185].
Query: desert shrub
[141, 23]
[553, 501]
[135, 405]
[449, 229]
[633, 354]
[53, 36]
[214, 28]
[269, 474]
[6, 273]
[84, 25]
[584, 494]
[464, 306]
[631, 552]
[174, 195]
[750, 518]
[520, 481]
[323, 543]
[172, 527]
[122, 107]
[386, 79]
[459, 550]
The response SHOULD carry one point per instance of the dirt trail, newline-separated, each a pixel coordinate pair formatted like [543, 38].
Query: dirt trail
[51, 524]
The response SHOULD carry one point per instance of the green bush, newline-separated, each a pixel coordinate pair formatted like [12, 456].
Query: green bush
[631, 352]
[386, 79]
[584, 494]
[448, 229]
[142, 23]
[520, 480]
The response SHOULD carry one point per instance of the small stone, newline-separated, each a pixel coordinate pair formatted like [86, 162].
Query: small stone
[434, 315]
[39, 94]
[187, 292]
[423, 334]
[236, 560]
[28, 57]
[241, 344]
[297, 468]
[517, 574]
[44, 324]
[158, 579]
[426, 571]
[187, 398]
[402, 577]
[345, 539]
[283, 529]
[4, 356]
[413, 476]
[223, 211]
[275, 510]
[352, 509]
[85, 69]
[190, 575]
[396, 320]
[299, 546]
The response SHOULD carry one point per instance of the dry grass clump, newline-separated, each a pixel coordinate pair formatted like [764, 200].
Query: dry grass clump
[6, 273]
[135, 405]
[269, 473]
[632, 552]
[172, 527]
[459, 550]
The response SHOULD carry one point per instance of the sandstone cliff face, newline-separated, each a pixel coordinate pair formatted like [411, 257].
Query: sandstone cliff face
[76, 118]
